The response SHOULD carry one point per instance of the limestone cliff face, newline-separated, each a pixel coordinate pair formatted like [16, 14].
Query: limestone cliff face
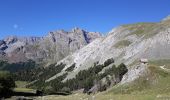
[51, 48]
[127, 44]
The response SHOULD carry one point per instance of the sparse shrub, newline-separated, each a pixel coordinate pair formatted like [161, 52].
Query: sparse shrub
[122, 69]
[108, 61]
[122, 43]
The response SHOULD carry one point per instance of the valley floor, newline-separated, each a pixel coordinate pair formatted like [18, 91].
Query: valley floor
[100, 96]
[154, 86]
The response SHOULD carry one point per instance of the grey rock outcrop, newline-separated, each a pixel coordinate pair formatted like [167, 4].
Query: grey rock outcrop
[51, 48]
[127, 44]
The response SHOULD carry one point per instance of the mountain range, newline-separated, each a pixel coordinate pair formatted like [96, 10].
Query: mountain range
[68, 56]
[127, 44]
[51, 48]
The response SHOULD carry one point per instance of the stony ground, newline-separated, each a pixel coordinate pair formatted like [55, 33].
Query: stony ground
[107, 97]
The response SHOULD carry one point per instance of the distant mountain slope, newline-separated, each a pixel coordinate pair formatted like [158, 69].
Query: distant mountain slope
[53, 47]
[127, 43]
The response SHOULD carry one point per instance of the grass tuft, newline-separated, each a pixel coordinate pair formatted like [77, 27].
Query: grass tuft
[122, 43]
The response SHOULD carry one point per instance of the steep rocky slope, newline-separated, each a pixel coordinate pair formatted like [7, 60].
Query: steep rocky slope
[53, 47]
[127, 44]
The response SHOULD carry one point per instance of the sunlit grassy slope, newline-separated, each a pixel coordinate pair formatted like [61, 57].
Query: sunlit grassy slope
[26, 90]
[21, 87]
[153, 86]
[147, 29]
[161, 62]
[21, 84]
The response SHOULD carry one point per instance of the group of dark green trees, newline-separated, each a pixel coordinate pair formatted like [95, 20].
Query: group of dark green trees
[19, 66]
[39, 72]
[85, 79]
[6, 84]
[88, 78]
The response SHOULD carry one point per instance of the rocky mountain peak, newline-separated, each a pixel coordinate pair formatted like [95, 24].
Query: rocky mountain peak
[10, 40]
[75, 34]
[77, 30]
[55, 46]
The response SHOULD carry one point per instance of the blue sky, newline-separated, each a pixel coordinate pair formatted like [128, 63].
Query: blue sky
[37, 17]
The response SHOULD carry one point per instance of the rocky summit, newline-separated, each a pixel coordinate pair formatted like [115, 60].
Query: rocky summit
[51, 48]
